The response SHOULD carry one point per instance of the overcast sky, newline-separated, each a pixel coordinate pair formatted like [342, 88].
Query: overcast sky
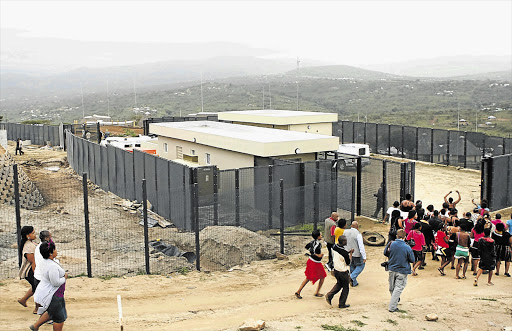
[338, 32]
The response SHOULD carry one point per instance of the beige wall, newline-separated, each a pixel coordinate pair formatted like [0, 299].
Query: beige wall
[269, 126]
[223, 159]
[318, 128]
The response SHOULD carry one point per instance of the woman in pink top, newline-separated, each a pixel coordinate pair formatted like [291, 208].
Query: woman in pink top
[410, 221]
[419, 243]
[476, 233]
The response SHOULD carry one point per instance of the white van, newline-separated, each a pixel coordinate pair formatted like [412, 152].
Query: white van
[347, 150]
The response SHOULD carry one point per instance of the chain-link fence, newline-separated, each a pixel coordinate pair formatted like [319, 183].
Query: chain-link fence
[456, 148]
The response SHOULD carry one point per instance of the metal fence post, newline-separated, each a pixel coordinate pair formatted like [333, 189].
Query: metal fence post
[403, 137]
[417, 143]
[365, 128]
[353, 132]
[316, 205]
[87, 228]
[196, 226]
[342, 131]
[215, 196]
[384, 186]
[98, 132]
[448, 148]
[17, 206]
[353, 202]
[303, 190]
[270, 198]
[281, 215]
[431, 145]
[359, 181]
[490, 176]
[465, 149]
[237, 197]
[389, 140]
[482, 178]
[413, 178]
[377, 138]
[145, 217]
[403, 171]
[334, 191]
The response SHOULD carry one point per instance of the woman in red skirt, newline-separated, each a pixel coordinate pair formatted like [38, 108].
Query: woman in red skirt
[314, 268]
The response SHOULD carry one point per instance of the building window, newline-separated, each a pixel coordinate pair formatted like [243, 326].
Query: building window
[193, 152]
[179, 152]
[207, 158]
[166, 148]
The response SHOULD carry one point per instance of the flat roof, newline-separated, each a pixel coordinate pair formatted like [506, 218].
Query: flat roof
[278, 117]
[246, 139]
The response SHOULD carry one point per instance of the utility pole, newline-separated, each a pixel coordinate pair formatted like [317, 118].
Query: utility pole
[108, 101]
[297, 81]
[82, 92]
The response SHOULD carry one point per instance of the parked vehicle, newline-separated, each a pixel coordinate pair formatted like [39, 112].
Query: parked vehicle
[347, 150]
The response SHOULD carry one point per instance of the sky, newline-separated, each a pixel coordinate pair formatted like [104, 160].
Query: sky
[336, 32]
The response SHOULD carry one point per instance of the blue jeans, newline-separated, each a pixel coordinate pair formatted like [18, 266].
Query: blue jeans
[356, 267]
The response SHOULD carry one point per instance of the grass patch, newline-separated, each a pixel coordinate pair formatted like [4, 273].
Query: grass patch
[390, 321]
[486, 299]
[2, 284]
[337, 328]
[405, 316]
[307, 228]
[365, 317]
[183, 271]
[108, 277]
[298, 327]
[83, 274]
[358, 323]
[402, 311]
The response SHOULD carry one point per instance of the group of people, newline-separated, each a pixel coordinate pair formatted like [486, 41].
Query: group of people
[41, 269]
[473, 239]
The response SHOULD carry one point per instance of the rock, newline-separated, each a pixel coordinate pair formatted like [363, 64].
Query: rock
[280, 256]
[432, 317]
[491, 323]
[251, 325]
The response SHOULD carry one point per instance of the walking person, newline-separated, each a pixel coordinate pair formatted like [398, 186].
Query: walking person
[487, 254]
[462, 251]
[390, 211]
[19, 147]
[314, 269]
[330, 222]
[419, 243]
[394, 225]
[341, 260]
[50, 292]
[355, 243]
[400, 257]
[443, 250]
[380, 200]
[410, 221]
[503, 241]
[476, 233]
[44, 235]
[28, 264]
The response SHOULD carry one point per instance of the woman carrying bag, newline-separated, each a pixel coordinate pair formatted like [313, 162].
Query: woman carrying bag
[27, 248]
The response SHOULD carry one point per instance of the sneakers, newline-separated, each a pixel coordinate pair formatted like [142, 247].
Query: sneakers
[507, 274]
[344, 306]
[328, 267]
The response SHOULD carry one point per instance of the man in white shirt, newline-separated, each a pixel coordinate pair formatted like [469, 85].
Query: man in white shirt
[387, 217]
[341, 261]
[358, 261]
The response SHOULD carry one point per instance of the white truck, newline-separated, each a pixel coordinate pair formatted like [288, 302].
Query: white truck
[347, 150]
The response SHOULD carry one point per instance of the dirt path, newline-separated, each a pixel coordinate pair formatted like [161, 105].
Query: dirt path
[264, 290]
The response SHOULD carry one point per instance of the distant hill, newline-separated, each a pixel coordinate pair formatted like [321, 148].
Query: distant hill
[499, 75]
[342, 72]
[94, 80]
[448, 66]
